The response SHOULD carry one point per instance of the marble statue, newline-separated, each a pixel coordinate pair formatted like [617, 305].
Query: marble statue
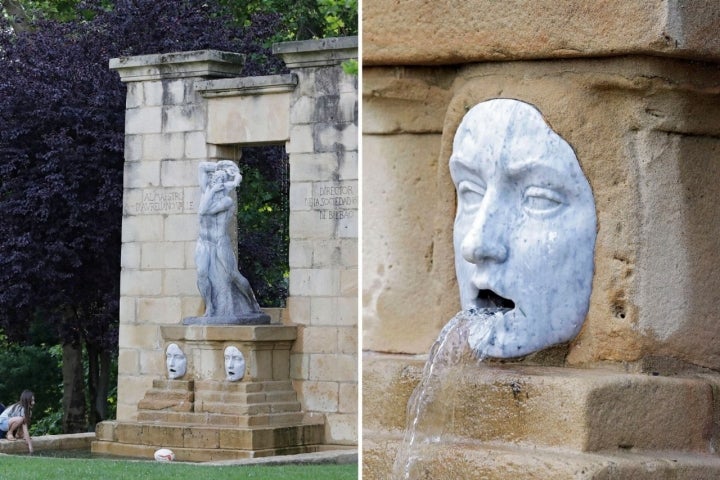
[525, 228]
[229, 299]
[176, 361]
[234, 364]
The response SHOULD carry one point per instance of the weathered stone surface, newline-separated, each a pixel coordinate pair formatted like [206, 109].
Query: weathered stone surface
[616, 114]
[583, 410]
[545, 413]
[503, 462]
[401, 304]
[424, 32]
[201, 63]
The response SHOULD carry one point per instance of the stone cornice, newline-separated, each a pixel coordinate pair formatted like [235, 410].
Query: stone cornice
[226, 87]
[199, 63]
[317, 53]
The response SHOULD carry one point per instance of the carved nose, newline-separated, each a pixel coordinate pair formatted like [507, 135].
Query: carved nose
[485, 241]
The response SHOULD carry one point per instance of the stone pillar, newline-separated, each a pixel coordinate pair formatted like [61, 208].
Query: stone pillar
[323, 150]
[165, 140]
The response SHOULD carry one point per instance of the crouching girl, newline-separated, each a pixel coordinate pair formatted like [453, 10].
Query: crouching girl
[18, 415]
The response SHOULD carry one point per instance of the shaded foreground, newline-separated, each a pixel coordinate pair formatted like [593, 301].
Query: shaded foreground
[32, 468]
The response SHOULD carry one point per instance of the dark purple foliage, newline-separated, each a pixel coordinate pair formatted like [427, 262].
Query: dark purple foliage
[61, 154]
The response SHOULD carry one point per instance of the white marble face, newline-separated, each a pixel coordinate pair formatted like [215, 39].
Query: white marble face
[525, 228]
[175, 361]
[234, 364]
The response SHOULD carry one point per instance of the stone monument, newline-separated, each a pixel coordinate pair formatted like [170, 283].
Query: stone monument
[190, 112]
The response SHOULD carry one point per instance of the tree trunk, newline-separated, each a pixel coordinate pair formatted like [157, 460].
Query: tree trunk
[18, 17]
[73, 389]
[99, 382]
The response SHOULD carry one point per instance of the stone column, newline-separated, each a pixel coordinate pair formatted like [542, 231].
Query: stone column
[323, 150]
[164, 141]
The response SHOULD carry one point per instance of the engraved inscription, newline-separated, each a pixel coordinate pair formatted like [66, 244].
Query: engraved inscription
[155, 201]
[334, 202]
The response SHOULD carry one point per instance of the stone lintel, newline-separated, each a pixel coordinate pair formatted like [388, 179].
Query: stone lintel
[199, 63]
[423, 32]
[317, 53]
[230, 87]
[229, 333]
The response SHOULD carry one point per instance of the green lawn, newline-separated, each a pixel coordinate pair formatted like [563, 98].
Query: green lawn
[34, 468]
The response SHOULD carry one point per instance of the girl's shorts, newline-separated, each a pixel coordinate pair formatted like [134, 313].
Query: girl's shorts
[4, 424]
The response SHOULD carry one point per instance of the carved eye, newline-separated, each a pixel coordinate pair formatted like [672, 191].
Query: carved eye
[542, 200]
[470, 196]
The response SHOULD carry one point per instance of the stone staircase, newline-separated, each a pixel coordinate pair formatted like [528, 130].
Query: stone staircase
[213, 420]
[208, 418]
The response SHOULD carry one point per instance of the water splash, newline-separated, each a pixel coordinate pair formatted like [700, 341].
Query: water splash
[430, 411]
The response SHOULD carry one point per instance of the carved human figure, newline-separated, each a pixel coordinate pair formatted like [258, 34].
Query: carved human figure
[234, 364]
[225, 291]
[176, 361]
[525, 228]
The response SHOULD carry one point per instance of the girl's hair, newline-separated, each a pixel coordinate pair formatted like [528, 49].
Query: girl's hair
[26, 399]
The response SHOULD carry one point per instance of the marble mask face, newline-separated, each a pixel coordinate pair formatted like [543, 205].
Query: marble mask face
[175, 361]
[234, 364]
[525, 228]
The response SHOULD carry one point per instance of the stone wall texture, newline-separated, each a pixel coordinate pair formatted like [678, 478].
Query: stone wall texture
[424, 32]
[324, 220]
[645, 130]
[633, 86]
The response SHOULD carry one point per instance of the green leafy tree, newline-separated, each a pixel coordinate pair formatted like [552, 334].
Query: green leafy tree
[302, 19]
[61, 144]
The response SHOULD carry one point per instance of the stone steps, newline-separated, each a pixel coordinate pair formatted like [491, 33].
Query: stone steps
[194, 454]
[207, 442]
[203, 420]
[206, 418]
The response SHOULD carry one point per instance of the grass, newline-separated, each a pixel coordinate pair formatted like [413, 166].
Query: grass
[33, 468]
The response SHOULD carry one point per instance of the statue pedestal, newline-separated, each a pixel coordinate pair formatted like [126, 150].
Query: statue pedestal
[204, 417]
[259, 318]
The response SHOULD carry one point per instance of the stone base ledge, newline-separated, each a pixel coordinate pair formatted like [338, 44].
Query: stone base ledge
[502, 462]
[72, 441]
[229, 333]
[195, 443]
[585, 410]
[194, 454]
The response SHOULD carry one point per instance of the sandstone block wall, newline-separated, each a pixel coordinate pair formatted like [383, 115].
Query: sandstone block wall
[644, 128]
[324, 205]
[164, 142]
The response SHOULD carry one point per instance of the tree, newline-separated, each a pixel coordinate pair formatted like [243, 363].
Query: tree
[263, 223]
[61, 163]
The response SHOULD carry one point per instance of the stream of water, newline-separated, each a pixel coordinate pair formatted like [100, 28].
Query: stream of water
[430, 411]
